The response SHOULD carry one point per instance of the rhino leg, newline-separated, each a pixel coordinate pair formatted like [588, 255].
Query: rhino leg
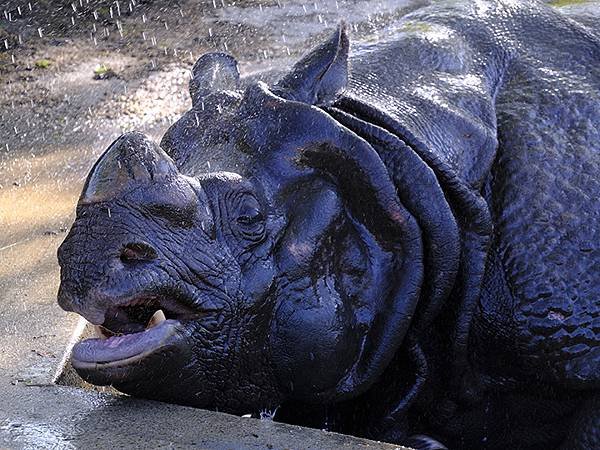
[585, 429]
[422, 442]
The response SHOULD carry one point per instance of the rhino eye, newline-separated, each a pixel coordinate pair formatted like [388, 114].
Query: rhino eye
[250, 219]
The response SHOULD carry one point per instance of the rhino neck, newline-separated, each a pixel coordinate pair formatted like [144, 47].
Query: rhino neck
[455, 222]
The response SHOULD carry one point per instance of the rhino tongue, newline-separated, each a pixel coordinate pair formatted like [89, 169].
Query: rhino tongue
[118, 348]
[156, 319]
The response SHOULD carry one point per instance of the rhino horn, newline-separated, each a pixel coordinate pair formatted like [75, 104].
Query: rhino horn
[132, 158]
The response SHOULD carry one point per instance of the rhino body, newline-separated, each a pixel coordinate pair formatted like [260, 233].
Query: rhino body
[400, 240]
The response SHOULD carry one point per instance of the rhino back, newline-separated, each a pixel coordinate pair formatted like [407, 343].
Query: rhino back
[436, 84]
[507, 94]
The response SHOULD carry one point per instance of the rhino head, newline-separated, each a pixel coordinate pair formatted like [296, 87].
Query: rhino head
[294, 279]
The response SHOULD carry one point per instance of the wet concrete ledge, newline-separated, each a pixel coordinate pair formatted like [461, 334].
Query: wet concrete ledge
[51, 416]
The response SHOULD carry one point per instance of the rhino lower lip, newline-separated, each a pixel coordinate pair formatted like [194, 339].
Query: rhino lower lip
[108, 352]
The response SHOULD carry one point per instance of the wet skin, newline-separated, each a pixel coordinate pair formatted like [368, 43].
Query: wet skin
[405, 242]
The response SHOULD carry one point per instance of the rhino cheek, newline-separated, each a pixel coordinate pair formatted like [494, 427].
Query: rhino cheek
[314, 346]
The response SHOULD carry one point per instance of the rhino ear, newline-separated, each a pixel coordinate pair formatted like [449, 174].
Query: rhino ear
[132, 158]
[213, 72]
[320, 76]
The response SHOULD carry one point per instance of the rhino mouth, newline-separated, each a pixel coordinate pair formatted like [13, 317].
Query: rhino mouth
[131, 332]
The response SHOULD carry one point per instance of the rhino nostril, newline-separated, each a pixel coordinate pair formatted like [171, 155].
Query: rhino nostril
[137, 252]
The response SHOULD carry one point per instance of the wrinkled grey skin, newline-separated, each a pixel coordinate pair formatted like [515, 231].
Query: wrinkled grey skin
[403, 238]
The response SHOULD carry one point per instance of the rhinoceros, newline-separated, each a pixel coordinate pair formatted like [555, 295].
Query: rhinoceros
[401, 241]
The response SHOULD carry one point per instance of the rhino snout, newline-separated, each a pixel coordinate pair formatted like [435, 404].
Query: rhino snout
[73, 303]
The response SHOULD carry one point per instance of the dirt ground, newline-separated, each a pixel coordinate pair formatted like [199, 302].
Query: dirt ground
[74, 75]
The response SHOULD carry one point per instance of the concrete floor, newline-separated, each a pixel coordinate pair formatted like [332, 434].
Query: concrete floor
[49, 416]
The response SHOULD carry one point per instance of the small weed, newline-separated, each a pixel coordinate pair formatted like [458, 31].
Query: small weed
[43, 63]
[103, 72]
[560, 3]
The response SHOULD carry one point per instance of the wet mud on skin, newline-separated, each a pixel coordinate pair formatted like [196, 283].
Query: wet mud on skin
[60, 107]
